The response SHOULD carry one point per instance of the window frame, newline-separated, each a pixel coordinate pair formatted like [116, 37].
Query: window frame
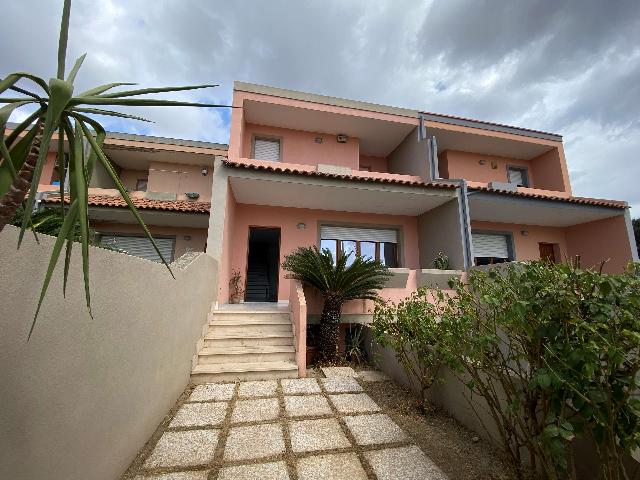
[378, 248]
[146, 184]
[524, 173]
[511, 247]
[270, 138]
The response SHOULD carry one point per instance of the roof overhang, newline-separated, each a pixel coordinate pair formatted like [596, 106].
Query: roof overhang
[151, 217]
[298, 191]
[494, 207]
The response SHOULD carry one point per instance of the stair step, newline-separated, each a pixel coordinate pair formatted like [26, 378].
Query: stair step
[250, 320]
[247, 354]
[243, 371]
[247, 334]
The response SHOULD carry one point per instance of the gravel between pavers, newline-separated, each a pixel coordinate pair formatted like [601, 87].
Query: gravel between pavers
[445, 443]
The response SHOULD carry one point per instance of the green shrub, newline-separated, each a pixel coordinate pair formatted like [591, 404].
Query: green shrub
[553, 350]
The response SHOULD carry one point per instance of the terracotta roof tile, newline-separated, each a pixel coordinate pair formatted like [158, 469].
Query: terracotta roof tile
[141, 203]
[315, 173]
[579, 200]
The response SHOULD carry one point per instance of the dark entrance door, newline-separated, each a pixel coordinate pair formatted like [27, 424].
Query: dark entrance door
[263, 262]
[547, 252]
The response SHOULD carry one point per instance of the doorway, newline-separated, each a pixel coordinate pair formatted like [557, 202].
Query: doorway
[263, 263]
[547, 252]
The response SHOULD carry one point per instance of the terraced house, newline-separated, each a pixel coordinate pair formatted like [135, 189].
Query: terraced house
[394, 184]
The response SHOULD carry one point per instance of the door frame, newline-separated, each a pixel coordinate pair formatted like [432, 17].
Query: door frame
[246, 266]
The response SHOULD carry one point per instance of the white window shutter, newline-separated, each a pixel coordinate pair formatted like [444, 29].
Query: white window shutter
[266, 149]
[515, 176]
[362, 234]
[490, 245]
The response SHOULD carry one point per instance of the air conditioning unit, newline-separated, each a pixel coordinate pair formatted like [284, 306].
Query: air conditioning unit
[342, 138]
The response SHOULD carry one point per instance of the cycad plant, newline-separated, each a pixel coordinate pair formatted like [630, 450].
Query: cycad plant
[338, 283]
[60, 115]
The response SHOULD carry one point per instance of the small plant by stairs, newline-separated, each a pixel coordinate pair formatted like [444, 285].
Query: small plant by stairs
[246, 343]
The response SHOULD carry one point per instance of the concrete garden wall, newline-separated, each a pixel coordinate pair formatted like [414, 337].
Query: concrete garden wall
[84, 394]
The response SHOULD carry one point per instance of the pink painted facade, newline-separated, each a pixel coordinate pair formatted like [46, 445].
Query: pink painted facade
[385, 145]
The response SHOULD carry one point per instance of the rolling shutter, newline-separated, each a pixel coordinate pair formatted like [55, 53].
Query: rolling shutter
[266, 149]
[490, 245]
[515, 176]
[140, 246]
[362, 234]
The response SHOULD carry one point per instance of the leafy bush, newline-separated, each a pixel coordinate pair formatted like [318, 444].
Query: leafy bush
[419, 335]
[553, 350]
[441, 262]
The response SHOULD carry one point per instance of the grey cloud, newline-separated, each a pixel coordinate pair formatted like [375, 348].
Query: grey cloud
[570, 66]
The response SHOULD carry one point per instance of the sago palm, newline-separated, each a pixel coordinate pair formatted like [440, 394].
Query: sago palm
[59, 112]
[338, 283]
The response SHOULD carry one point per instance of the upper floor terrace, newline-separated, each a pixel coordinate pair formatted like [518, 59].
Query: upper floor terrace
[325, 134]
[150, 167]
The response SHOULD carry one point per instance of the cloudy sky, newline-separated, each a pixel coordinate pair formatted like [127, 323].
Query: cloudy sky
[568, 67]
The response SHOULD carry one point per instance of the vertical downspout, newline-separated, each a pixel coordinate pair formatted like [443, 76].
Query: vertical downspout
[466, 224]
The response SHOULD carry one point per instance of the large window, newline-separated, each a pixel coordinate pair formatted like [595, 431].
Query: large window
[377, 244]
[490, 248]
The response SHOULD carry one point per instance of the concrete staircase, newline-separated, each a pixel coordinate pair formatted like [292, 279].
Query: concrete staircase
[246, 342]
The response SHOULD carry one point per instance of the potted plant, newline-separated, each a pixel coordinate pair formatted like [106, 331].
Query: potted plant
[441, 262]
[192, 195]
[235, 290]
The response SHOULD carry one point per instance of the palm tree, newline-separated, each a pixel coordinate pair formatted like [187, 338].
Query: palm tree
[337, 283]
[23, 152]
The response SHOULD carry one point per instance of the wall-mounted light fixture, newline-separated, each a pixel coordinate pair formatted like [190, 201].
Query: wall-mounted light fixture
[301, 226]
[342, 138]
[187, 237]
[524, 233]
[318, 140]
[482, 162]
[204, 171]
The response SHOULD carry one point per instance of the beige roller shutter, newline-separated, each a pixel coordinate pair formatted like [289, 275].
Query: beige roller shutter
[490, 245]
[140, 246]
[361, 234]
[266, 149]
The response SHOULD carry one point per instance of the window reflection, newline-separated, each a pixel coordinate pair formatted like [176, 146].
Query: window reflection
[368, 250]
[349, 248]
[332, 246]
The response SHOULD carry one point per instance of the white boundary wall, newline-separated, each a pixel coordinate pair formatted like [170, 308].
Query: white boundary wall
[83, 395]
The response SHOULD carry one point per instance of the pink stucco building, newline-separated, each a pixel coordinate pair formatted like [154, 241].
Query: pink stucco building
[396, 184]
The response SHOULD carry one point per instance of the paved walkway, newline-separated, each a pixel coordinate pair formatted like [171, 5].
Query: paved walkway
[325, 428]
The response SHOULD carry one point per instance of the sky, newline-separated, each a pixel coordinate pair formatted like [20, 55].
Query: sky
[569, 67]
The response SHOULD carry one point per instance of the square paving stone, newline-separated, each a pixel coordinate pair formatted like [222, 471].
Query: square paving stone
[300, 385]
[311, 435]
[374, 429]
[354, 403]
[254, 441]
[408, 463]
[266, 388]
[201, 475]
[341, 466]
[306, 406]
[339, 372]
[372, 376]
[199, 414]
[255, 410]
[266, 471]
[341, 384]
[193, 447]
[212, 392]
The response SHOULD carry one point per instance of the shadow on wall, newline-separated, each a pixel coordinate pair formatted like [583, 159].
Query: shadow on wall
[85, 394]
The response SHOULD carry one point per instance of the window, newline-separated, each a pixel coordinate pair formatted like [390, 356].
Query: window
[490, 248]
[141, 184]
[376, 244]
[266, 149]
[518, 175]
[55, 175]
[139, 246]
